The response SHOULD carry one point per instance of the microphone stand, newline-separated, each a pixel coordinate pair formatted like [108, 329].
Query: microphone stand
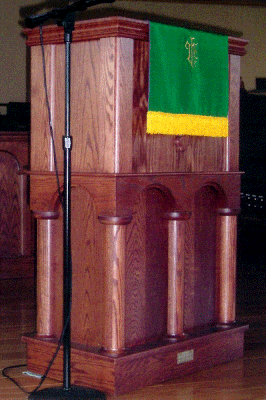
[66, 18]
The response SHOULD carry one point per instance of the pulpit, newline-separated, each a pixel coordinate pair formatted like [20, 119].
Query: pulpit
[154, 218]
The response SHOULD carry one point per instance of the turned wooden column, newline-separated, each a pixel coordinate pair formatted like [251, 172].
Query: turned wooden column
[226, 265]
[45, 273]
[25, 216]
[114, 284]
[176, 254]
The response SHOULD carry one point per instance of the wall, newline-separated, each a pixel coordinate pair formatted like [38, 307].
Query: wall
[249, 20]
[12, 50]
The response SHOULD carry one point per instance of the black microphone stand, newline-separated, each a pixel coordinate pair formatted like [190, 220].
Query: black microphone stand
[66, 18]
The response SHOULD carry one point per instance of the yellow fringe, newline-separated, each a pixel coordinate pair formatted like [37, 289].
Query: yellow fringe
[185, 124]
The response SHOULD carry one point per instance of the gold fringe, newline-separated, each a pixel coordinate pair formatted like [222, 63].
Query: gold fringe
[185, 124]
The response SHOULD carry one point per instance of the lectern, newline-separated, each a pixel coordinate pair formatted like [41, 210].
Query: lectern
[154, 218]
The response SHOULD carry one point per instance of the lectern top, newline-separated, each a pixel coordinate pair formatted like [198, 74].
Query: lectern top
[92, 30]
[109, 27]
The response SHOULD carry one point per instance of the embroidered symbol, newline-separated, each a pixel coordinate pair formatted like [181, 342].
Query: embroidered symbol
[192, 51]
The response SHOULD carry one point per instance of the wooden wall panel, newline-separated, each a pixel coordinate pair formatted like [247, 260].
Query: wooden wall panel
[140, 106]
[86, 111]
[232, 159]
[101, 99]
[135, 275]
[124, 105]
[10, 207]
[16, 222]
[57, 104]
[147, 268]
[87, 307]
[41, 157]
[205, 256]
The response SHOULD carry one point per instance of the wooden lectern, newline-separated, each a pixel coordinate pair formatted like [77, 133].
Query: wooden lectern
[154, 218]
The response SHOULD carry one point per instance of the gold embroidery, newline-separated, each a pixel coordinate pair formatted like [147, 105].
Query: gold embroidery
[192, 51]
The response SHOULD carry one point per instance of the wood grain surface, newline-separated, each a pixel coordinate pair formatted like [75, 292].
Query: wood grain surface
[16, 222]
[125, 252]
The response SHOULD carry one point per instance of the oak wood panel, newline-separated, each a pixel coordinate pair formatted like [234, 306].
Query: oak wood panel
[93, 101]
[92, 30]
[41, 131]
[87, 304]
[182, 190]
[10, 207]
[86, 57]
[101, 376]
[124, 105]
[161, 363]
[140, 106]
[181, 187]
[45, 194]
[206, 204]
[146, 293]
[189, 275]
[16, 224]
[41, 157]
[147, 197]
[232, 160]
[101, 106]
[104, 138]
[114, 26]
[17, 143]
[55, 244]
[149, 366]
[88, 291]
[22, 267]
[56, 93]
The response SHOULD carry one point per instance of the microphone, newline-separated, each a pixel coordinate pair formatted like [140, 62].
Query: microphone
[60, 13]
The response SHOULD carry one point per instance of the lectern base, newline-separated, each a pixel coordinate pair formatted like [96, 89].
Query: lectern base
[139, 367]
[74, 393]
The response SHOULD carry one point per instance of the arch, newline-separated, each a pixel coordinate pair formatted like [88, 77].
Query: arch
[147, 266]
[8, 154]
[207, 200]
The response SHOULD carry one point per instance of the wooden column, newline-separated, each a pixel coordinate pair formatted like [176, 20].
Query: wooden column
[226, 265]
[25, 217]
[45, 274]
[176, 254]
[114, 285]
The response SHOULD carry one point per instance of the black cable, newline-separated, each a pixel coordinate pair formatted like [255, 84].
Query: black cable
[50, 117]
[4, 373]
[44, 376]
[53, 358]
[61, 201]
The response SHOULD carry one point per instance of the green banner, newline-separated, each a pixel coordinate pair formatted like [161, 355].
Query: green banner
[188, 88]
